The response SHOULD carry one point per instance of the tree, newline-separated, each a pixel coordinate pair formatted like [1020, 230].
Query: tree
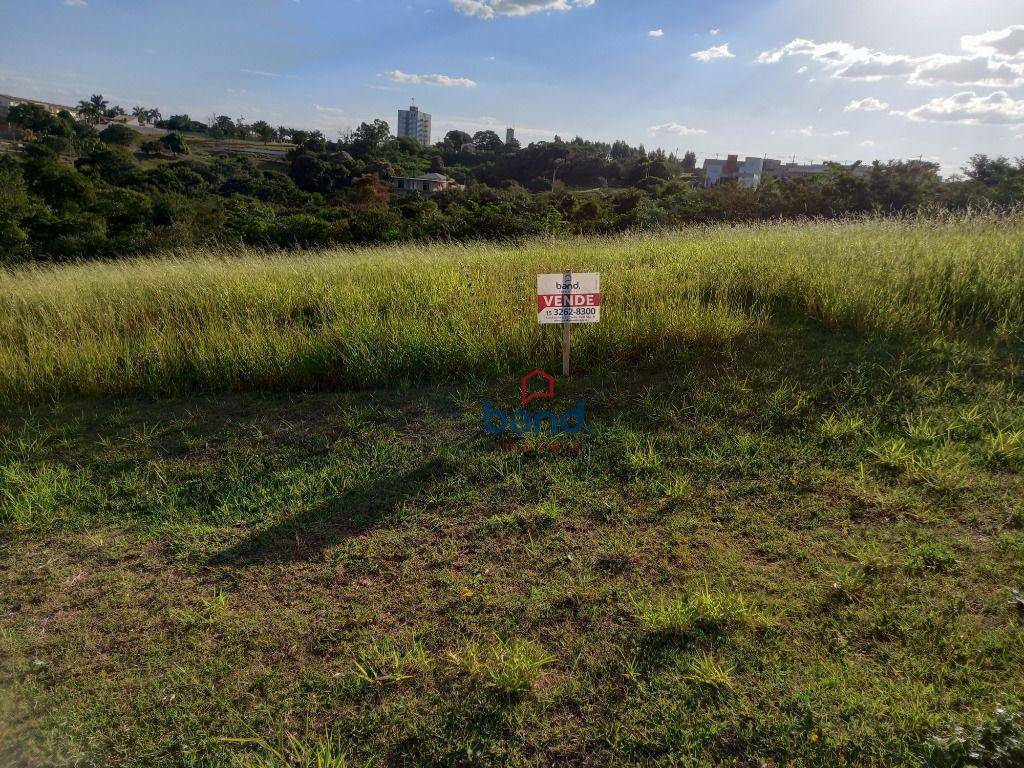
[264, 130]
[689, 162]
[457, 139]
[178, 123]
[175, 143]
[370, 192]
[115, 165]
[89, 111]
[118, 134]
[225, 124]
[33, 117]
[144, 115]
[369, 138]
[487, 141]
[98, 102]
[437, 164]
[152, 148]
[115, 111]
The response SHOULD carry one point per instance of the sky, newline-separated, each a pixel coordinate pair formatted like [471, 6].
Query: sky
[811, 79]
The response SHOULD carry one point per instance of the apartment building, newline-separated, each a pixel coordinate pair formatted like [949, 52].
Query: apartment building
[414, 124]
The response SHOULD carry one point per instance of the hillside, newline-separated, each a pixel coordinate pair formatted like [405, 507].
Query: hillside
[250, 515]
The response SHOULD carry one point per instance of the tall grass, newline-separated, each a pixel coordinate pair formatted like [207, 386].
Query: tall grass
[353, 318]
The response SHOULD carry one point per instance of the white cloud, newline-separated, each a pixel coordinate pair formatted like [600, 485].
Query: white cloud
[834, 52]
[968, 108]
[332, 111]
[867, 143]
[987, 61]
[656, 33]
[1007, 42]
[801, 70]
[713, 53]
[840, 133]
[869, 104]
[398, 76]
[261, 73]
[76, 3]
[808, 131]
[976, 70]
[676, 128]
[714, 31]
[489, 9]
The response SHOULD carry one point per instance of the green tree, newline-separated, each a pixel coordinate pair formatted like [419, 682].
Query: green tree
[369, 138]
[264, 130]
[248, 220]
[487, 141]
[457, 140]
[15, 208]
[175, 143]
[93, 107]
[118, 134]
[144, 115]
[98, 102]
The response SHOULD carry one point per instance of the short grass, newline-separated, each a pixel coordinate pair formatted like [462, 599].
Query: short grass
[799, 543]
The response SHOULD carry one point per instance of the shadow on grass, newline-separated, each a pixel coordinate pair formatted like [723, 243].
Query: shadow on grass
[474, 728]
[304, 536]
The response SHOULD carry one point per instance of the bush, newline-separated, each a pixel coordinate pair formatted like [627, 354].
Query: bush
[305, 230]
[249, 220]
[119, 135]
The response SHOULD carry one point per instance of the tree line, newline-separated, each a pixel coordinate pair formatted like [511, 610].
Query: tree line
[75, 191]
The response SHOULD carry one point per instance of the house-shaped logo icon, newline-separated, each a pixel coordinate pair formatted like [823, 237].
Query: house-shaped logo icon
[545, 377]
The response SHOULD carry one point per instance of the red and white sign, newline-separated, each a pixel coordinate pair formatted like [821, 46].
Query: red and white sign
[570, 297]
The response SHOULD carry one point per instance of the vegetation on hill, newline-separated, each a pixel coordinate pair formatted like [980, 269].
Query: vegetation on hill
[793, 536]
[76, 193]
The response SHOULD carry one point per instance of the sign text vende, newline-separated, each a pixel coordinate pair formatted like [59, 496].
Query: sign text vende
[575, 301]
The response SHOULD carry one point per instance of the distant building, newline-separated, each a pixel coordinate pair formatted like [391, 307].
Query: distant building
[753, 170]
[510, 135]
[6, 102]
[414, 124]
[425, 184]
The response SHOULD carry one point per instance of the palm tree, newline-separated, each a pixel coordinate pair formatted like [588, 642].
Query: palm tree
[88, 110]
[141, 114]
[92, 109]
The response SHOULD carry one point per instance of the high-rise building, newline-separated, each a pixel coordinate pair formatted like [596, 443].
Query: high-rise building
[414, 124]
[510, 135]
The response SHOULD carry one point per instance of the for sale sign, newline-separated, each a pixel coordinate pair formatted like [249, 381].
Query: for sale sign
[570, 297]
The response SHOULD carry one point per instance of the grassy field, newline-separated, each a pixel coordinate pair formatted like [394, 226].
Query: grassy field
[369, 318]
[249, 515]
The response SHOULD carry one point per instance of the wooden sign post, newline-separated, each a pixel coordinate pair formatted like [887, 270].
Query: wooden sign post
[566, 320]
[568, 298]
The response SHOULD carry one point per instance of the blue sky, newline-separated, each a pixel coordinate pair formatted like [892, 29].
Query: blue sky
[818, 79]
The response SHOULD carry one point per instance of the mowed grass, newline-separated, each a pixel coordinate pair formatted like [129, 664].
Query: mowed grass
[340, 319]
[794, 536]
